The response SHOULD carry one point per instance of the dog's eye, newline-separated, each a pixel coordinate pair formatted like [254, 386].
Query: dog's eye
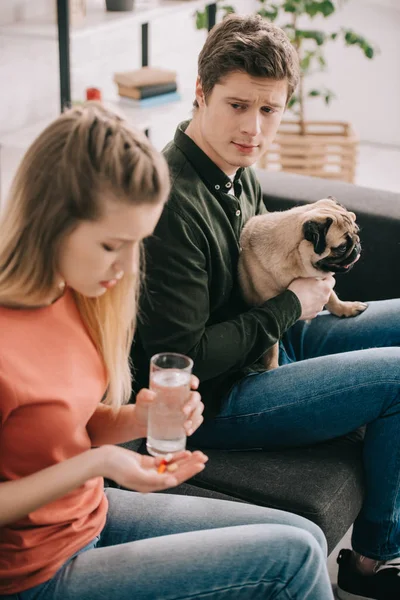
[340, 249]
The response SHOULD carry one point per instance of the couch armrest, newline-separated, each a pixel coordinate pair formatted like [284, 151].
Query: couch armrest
[377, 274]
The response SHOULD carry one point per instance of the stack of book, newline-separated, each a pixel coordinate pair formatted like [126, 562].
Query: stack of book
[148, 86]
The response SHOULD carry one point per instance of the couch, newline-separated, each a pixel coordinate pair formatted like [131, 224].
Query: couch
[324, 482]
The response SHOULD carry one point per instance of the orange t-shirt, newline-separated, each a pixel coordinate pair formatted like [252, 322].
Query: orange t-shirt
[51, 382]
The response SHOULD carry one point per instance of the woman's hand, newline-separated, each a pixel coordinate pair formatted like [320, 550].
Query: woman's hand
[192, 409]
[139, 473]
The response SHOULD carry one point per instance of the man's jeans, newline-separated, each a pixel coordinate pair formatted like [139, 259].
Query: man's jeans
[336, 375]
[168, 547]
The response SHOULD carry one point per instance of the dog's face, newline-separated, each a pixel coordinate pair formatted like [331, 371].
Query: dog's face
[331, 241]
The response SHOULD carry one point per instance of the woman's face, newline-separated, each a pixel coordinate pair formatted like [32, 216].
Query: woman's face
[98, 253]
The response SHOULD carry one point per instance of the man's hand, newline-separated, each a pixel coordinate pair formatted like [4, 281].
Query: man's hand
[313, 294]
[192, 410]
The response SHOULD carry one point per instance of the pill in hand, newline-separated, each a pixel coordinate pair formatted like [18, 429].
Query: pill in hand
[162, 466]
[172, 467]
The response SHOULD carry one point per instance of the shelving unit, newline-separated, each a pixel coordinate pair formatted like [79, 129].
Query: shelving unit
[99, 20]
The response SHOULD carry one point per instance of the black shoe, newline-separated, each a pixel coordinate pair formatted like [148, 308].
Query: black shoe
[383, 585]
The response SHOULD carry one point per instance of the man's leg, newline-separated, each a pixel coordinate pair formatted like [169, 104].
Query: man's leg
[378, 326]
[319, 399]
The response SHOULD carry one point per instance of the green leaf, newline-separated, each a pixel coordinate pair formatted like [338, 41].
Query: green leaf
[352, 38]
[314, 93]
[270, 14]
[324, 8]
[229, 10]
[291, 6]
[308, 34]
[305, 61]
[369, 52]
[329, 95]
[322, 61]
[327, 8]
[201, 15]
[293, 101]
[201, 19]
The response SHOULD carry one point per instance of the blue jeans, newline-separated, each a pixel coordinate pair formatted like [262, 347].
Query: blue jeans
[336, 375]
[168, 547]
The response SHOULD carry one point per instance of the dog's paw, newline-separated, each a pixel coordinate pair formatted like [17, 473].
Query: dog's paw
[349, 309]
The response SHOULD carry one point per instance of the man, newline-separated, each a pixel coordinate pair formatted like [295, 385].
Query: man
[335, 375]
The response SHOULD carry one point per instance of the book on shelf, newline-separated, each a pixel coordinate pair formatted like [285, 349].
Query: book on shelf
[147, 91]
[151, 101]
[144, 76]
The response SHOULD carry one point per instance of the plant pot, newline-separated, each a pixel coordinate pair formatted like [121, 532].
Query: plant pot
[327, 149]
[119, 5]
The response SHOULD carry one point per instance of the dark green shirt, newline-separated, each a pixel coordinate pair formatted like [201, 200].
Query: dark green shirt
[192, 302]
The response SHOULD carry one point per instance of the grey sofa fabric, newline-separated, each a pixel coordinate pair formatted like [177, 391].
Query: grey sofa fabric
[324, 482]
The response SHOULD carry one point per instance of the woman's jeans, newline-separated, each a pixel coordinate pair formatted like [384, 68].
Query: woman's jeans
[168, 547]
[336, 375]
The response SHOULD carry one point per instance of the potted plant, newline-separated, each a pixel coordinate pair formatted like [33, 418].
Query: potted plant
[319, 148]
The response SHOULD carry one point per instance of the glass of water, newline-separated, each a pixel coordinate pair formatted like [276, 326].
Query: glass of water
[170, 376]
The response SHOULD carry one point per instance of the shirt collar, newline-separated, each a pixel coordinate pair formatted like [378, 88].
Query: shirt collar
[206, 168]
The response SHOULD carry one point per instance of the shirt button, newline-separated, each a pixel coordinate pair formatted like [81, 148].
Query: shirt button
[237, 213]
[217, 187]
[228, 185]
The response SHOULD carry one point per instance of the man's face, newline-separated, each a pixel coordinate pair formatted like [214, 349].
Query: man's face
[239, 119]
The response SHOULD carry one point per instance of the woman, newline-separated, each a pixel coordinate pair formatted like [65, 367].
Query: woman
[87, 192]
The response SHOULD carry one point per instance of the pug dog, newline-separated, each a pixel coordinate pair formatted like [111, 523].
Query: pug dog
[306, 241]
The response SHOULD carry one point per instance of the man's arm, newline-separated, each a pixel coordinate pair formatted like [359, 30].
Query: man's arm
[175, 307]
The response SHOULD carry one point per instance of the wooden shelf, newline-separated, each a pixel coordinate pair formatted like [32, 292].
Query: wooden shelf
[99, 20]
[174, 111]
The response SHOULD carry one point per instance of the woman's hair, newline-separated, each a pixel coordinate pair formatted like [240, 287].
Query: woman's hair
[87, 151]
[248, 44]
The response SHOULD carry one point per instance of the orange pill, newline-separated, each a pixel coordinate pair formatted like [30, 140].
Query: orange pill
[161, 468]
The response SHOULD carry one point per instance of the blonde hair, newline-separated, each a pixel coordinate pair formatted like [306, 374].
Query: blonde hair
[87, 150]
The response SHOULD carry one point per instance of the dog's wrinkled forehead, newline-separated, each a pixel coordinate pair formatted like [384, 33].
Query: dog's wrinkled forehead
[332, 207]
[329, 223]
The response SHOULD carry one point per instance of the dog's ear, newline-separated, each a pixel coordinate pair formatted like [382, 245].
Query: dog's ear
[335, 200]
[315, 232]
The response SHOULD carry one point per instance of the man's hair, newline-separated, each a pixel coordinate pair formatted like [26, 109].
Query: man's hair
[248, 44]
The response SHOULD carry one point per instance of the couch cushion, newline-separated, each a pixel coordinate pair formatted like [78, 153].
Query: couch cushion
[323, 483]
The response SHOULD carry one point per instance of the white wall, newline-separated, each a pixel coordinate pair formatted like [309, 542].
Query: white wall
[29, 84]
[368, 91]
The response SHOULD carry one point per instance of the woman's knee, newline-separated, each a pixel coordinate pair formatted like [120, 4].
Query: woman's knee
[311, 529]
[295, 546]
